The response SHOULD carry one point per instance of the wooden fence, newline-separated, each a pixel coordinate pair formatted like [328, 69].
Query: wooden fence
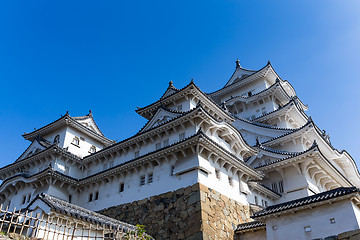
[57, 226]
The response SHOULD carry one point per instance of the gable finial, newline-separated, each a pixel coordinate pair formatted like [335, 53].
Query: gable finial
[90, 113]
[238, 63]
[192, 80]
[171, 83]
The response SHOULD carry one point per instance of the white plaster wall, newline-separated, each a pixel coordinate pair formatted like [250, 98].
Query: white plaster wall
[255, 87]
[61, 132]
[84, 146]
[257, 235]
[291, 226]
[163, 181]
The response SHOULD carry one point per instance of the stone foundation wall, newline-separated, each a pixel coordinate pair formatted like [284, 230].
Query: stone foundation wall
[194, 212]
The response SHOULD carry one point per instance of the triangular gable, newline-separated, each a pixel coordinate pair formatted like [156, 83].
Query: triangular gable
[36, 146]
[89, 122]
[239, 74]
[160, 117]
[170, 90]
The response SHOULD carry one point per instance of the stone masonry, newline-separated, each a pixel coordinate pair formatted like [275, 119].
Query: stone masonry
[194, 212]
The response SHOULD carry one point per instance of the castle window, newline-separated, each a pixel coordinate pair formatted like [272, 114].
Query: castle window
[142, 180]
[67, 170]
[105, 166]
[111, 164]
[249, 94]
[256, 200]
[217, 174]
[266, 203]
[172, 170]
[179, 108]
[76, 141]
[230, 181]
[307, 229]
[166, 142]
[57, 139]
[150, 178]
[181, 136]
[122, 186]
[158, 146]
[29, 198]
[263, 110]
[23, 199]
[92, 149]
[332, 220]
[90, 197]
[281, 186]
[70, 199]
[137, 154]
[274, 187]
[96, 195]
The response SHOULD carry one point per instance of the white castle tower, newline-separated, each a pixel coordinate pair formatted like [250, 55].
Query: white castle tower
[204, 166]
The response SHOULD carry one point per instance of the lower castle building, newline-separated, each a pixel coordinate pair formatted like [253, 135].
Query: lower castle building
[243, 162]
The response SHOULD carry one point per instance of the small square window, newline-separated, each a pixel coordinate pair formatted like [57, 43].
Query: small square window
[150, 178]
[307, 229]
[142, 180]
[122, 186]
[332, 220]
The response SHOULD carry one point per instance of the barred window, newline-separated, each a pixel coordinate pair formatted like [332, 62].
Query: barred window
[150, 178]
[142, 180]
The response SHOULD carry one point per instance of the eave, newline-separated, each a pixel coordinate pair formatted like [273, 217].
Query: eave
[190, 89]
[143, 136]
[67, 120]
[286, 109]
[45, 154]
[264, 190]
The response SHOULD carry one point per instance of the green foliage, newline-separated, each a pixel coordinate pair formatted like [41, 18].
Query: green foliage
[140, 233]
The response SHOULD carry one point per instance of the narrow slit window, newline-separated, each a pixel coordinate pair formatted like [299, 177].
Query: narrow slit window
[281, 186]
[24, 199]
[70, 198]
[230, 181]
[90, 197]
[122, 187]
[217, 174]
[96, 195]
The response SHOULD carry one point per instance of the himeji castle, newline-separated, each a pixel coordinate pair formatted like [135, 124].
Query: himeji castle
[242, 162]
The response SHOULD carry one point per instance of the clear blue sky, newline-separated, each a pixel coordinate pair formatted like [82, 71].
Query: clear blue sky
[111, 56]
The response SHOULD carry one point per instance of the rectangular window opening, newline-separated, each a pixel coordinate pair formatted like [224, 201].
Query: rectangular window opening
[142, 180]
[217, 174]
[281, 186]
[90, 197]
[150, 178]
[181, 136]
[230, 181]
[70, 199]
[122, 186]
[158, 146]
[97, 195]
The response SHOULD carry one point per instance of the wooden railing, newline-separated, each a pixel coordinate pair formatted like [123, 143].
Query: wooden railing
[58, 227]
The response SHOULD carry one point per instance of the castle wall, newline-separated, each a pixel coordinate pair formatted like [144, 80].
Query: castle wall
[194, 212]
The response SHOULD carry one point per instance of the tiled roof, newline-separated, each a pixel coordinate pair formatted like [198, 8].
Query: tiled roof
[81, 213]
[248, 226]
[291, 155]
[341, 191]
